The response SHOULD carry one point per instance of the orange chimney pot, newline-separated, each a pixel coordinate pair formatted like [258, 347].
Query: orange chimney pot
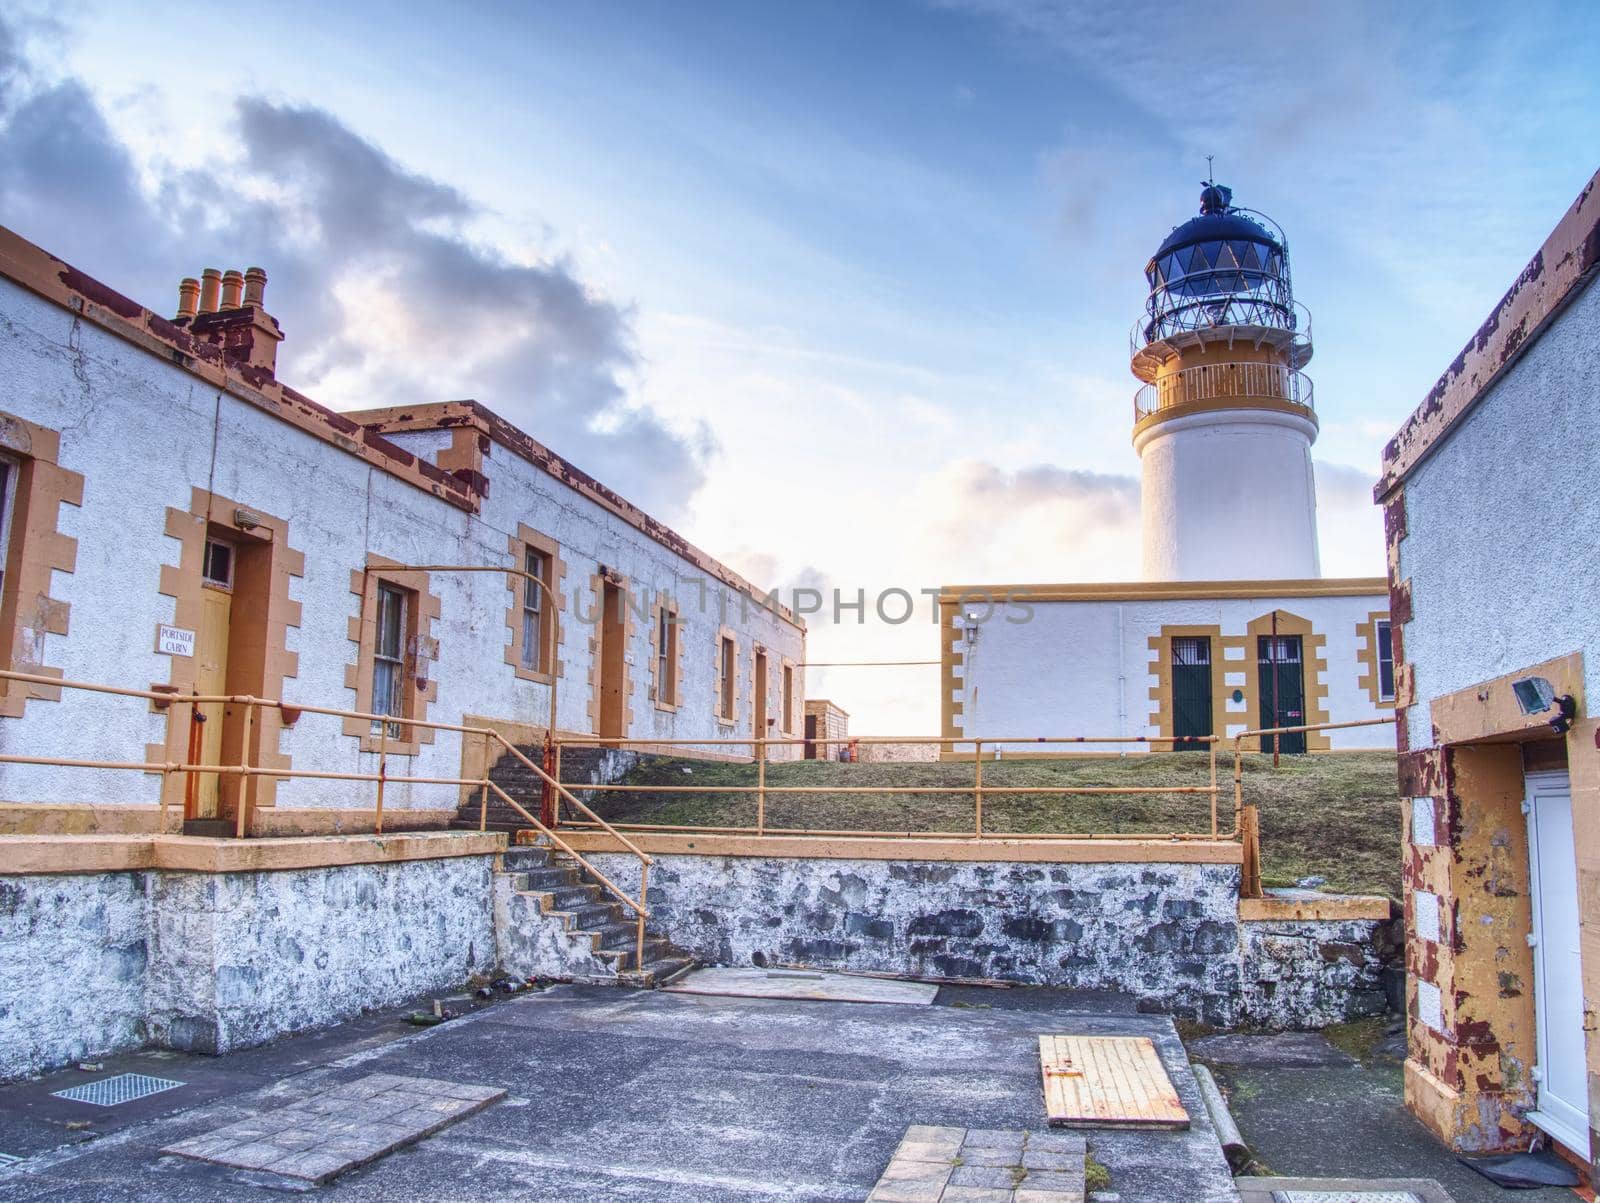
[255, 287]
[210, 286]
[188, 297]
[232, 289]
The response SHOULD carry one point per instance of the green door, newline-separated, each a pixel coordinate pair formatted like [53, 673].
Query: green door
[1283, 691]
[1191, 689]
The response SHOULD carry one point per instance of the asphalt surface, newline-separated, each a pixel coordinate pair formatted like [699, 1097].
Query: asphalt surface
[1308, 1109]
[626, 1095]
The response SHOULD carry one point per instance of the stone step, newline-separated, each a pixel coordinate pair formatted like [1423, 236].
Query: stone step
[546, 879]
[574, 895]
[658, 972]
[617, 934]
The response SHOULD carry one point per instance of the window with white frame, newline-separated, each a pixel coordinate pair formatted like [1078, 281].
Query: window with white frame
[388, 655]
[725, 695]
[8, 494]
[666, 656]
[535, 640]
[1385, 633]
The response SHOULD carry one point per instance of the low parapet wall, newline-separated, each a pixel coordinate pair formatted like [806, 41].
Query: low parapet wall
[1160, 920]
[112, 943]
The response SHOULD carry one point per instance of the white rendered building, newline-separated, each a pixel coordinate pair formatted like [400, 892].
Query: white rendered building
[175, 518]
[1233, 628]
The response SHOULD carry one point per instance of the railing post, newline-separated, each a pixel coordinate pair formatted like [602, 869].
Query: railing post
[383, 771]
[644, 890]
[555, 792]
[195, 741]
[241, 815]
[977, 787]
[761, 786]
[483, 806]
[1238, 782]
[1250, 870]
[1212, 749]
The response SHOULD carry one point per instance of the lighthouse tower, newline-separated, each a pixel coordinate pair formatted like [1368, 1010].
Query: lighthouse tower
[1224, 423]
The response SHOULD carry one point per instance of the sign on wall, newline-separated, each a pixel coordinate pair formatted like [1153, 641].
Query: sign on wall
[174, 641]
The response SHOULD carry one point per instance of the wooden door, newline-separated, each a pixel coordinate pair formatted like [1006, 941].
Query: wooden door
[211, 677]
[1282, 682]
[613, 631]
[758, 698]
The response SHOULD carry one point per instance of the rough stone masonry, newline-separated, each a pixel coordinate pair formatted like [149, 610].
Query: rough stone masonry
[1167, 933]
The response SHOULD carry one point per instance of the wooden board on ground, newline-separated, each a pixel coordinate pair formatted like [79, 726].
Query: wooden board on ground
[802, 984]
[1107, 1082]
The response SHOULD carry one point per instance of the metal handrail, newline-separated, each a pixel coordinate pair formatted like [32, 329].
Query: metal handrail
[977, 790]
[245, 770]
[1207, 382]
[1246, 827]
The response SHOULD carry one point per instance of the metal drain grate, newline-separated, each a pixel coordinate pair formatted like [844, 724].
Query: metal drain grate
[1346, 1196]
[114, 1091]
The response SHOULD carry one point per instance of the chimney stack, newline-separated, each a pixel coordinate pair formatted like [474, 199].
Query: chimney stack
[210, 286]
[225, 309]
[188, 298]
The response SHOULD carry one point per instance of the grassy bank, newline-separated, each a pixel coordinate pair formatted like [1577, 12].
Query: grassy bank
[1335, 816]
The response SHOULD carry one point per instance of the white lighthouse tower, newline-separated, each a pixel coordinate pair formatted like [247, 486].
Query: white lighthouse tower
[1224, 423]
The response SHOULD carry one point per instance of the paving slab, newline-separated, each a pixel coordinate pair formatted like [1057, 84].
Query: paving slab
[956, 1165]
[335, 1130]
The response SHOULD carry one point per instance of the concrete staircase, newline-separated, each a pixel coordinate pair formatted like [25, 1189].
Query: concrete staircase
[552, 922]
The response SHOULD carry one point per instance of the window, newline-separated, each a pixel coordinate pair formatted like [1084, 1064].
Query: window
[388, 656]
[788, 698]
[666, 656]
[218, 566]
[8, 485]
[725, 680]
[535, 638]
[1385, 660]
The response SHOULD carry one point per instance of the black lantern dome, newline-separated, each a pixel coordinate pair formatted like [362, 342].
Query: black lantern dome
[1226, 267]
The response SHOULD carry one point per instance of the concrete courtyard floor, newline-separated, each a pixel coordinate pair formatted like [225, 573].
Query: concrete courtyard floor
[625, 1095]
[1308, 1109]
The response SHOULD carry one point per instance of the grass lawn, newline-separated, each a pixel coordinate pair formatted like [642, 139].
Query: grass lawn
[1335, 816]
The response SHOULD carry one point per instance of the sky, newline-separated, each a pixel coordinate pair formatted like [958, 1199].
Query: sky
[840, 290]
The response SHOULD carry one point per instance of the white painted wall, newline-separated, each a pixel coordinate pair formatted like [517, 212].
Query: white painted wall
[1086, 668]
[143, 432]
[1229, 496]
[1502, 520]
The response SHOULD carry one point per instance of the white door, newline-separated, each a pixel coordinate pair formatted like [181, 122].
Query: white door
[1557, 972]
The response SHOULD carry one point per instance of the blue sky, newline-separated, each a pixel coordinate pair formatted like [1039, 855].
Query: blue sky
[859, 276]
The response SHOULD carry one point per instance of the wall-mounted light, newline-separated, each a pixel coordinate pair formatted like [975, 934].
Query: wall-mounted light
[1535, 695]
[970, 627]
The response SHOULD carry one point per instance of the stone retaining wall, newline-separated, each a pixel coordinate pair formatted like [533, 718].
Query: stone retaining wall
[95, 963]
[1169, 934]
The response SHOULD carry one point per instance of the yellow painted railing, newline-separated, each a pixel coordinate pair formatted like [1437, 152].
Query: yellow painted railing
[192, 770]
[977, 791]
